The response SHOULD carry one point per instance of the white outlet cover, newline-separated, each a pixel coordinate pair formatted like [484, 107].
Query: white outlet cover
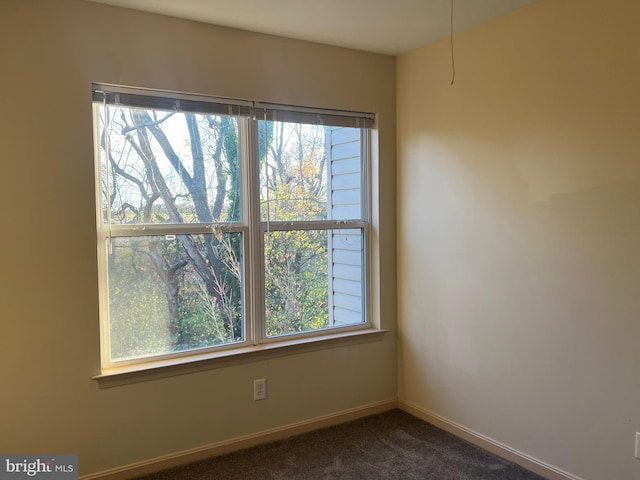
[638, 445]
[260, 389]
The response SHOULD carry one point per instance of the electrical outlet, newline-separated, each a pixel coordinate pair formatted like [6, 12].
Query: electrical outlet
[638, 445]
[259, 389]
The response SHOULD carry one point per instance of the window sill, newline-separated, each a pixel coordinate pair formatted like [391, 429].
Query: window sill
[180, 366]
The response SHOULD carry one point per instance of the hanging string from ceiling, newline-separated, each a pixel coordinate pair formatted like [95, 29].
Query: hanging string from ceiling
[453, 60]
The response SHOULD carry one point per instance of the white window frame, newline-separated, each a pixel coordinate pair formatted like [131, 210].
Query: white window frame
[252, 228]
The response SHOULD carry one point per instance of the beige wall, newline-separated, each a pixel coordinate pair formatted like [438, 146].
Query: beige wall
[519, 233]
[51, 51]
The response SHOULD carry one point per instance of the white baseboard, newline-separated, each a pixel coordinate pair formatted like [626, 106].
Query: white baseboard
[279, 433]
[530, 463]
[239, 443]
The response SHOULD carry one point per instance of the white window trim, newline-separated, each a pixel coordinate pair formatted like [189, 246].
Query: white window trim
[125, 375]
[256, 344]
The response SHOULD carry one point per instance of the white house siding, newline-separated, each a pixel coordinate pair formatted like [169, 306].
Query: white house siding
[345, 262]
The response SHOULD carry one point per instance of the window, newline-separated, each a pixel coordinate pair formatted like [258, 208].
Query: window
[226, 223]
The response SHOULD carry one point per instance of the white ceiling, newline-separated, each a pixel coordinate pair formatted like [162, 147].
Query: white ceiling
[383, 26]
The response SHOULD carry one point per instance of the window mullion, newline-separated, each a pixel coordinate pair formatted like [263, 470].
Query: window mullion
[255, 315]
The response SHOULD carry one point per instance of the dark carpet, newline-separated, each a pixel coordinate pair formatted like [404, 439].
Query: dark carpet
[392, 445]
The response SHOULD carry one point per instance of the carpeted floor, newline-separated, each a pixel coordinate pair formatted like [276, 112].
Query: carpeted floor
[392, 445]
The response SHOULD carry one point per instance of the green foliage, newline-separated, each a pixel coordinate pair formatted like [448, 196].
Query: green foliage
[296, 285]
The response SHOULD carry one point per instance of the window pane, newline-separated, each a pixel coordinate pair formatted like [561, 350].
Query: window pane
[168, 167]
[296, 282]
[173, 293]
[313, 280]
[311, 172]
